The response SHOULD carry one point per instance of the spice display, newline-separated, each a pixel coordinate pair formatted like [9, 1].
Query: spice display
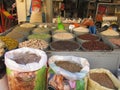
[88, 37]
[40, 30]
[69, 66]
[95, 45]
[63, 36]
[9, 42]
[103, 79]
[45, 37]
[34, 43]
[27, 25]
[64, 46]
[26, 58]
[110, 32]
[115, 41]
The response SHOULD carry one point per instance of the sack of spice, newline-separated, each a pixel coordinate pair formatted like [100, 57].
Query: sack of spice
[36, 15]
[26, 69]
[67, 72]
[102, 79]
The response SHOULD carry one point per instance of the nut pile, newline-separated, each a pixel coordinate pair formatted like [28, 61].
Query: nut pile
[34, 43]
[9, 42]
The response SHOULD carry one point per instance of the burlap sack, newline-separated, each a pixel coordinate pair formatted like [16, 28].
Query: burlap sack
[92, 85]
[36, 17]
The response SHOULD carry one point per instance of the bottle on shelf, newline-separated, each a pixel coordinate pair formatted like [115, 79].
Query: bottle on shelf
[60, 24]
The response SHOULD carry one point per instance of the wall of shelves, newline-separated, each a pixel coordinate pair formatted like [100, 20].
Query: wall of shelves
[111, 9]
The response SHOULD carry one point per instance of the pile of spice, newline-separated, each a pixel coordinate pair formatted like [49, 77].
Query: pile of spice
[25, 58]
[27, 25]
[9, 42]
[63, 36]
[110, 32]
[69, 66]
[95, 45]
[40, 30]
[103, 79]
[64, 46]
[88, 37]
[44, 36]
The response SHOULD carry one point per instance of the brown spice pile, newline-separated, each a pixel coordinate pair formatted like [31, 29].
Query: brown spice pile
[103, 79]
[69, 66]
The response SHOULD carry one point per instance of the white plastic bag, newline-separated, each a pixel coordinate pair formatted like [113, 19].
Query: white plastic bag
[11, 64]
[67, 74]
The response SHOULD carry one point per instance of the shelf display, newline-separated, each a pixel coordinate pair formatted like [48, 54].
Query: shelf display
[101, 58]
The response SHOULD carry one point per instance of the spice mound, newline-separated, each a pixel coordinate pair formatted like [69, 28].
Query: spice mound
[69, 66]
[88, 37]
[110, 32]
[40, 30]
[103, 79]
[34, 43]
[81, 29]
[63, 36]
[9, 42]
[64, 46]
[27, 25]
[26, 58]
[39, 36]
[95, 45]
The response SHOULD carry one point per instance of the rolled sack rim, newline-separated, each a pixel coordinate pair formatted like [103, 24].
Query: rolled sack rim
[12, 65]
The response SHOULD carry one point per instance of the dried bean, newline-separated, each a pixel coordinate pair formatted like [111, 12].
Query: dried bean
[88, 37]
[95, 45]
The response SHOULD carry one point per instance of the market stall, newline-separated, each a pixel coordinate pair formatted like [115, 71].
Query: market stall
[68, 54]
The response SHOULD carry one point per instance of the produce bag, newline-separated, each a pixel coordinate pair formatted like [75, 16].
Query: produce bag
[26, 76]
[93, 85]
[36, 15]
[61, 79]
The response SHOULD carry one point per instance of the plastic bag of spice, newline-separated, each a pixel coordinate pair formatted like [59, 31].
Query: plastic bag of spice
[26, 69]
[102, 79]
[67, 72]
